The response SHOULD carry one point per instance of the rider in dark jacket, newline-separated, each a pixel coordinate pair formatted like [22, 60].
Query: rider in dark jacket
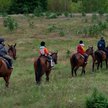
[102, 45]
[3, 53]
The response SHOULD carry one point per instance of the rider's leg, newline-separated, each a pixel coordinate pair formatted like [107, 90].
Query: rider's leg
[85, 58]
[9, 59]
[51, 60]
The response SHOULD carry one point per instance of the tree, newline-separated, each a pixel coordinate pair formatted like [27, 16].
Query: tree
[4, 5]
[22, 6]
[93, 5]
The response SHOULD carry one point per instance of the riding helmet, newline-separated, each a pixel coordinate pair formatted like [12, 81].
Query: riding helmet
[80, 41]
[42, 43]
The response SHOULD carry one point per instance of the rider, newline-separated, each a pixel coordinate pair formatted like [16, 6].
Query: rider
[81, 50]
[44, 51]
[3, 53]
[102, 45]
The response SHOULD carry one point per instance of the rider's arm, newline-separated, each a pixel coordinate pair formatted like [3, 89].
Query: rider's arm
[46, 51]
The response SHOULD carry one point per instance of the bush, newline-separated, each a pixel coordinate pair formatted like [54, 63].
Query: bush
[51, 28]
[94, 17]
[38, 11]
[97, 100]
[66, 14]
[68, 52]
[51, 15]
[10, 23]
[61, 33]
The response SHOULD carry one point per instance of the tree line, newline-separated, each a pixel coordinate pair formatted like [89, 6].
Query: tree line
[24, 6]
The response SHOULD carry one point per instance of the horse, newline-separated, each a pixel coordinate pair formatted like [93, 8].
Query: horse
[77, 60]
[98, 57]
[42, 65]
[5, 72]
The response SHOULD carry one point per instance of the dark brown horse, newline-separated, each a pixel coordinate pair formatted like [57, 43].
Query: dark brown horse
[5, 72]
[42, 65]
[77, 60]
[98, 57]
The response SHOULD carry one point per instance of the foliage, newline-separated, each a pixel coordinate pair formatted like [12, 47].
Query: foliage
[66, 14]
[38, 11]
[93, 30]
[10, 23]
[51, 15]
[93, 5]
[76, 6]
[61, 33]
[97, 100]
[21, 6]
[4, 5]
[68, 52]
[94, 17]
[51, 28]
[59, 5]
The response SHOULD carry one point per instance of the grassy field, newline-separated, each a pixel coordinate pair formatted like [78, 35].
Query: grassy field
[63, 90]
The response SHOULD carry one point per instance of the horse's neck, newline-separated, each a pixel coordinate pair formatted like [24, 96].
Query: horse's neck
[87, 53]
[10, 53]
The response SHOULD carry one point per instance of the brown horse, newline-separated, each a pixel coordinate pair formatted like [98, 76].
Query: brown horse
[5, 72]
[77, 60]
[98, 57]
[42, 65]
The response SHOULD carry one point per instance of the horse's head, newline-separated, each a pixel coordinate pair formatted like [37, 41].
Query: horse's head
[89, 51]
[54, 56]
[12, 51]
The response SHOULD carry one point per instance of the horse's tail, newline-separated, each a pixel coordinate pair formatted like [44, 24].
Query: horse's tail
[74, 60]
[39, 70]
[98, 55]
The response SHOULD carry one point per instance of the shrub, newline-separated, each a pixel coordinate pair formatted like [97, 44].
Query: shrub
[66, 14]
[97, 100]
[94, 17]
[61, 33]
[68, 52]
[38, 11]
[83, 14]
[51, 15]
[51, 28]
[10, 23]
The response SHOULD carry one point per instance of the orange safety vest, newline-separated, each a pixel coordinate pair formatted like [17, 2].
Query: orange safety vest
[80, 49]
[44, 51]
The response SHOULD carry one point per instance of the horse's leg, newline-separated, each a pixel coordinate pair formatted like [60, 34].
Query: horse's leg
[76, 68]
[83, 70]
[72, 70]
[93, 66]
[47, 75]
[38, 78]
[101, 65]
[6, 78]
[98, 64]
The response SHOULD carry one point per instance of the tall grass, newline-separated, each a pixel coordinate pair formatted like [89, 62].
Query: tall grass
[63, 90]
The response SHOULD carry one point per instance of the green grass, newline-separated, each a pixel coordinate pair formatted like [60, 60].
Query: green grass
[63, 90]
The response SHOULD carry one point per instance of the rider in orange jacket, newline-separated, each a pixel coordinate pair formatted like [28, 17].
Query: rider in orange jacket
[44, 52]
[81, 50]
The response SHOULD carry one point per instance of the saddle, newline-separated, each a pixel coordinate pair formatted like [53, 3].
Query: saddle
[81, 55]
[48, 60]
[6, 61]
